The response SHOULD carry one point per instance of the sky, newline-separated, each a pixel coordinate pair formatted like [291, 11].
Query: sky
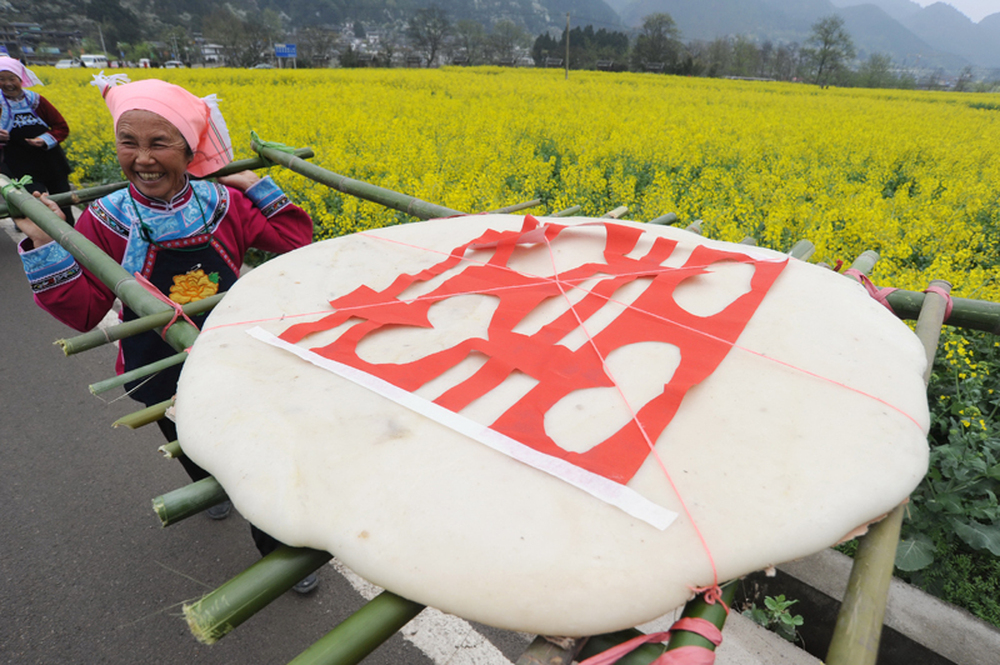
[974, 9]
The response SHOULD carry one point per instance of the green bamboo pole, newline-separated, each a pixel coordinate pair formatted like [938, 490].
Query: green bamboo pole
[647, 653]
[664, 220]
[965, 313]
[189, 500]
[524, 205]
[138, 373]
[362, 632]
[180, 335]
[865, 262]
[802, 250]
[616, 213]
[145, 416]
[171, 450]
[694, 227]
[100, 336]
[88, 194]
[543, 651]
[216, 614]
[858, 630]
[566, 212]
[749, 241]
[363, 190]
[699, 609]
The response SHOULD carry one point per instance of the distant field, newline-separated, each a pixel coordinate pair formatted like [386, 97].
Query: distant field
[911, 175]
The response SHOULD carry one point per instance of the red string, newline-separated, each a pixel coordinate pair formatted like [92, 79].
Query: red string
[178, 311]
[949, 303]
[880, 295]
[688, 655]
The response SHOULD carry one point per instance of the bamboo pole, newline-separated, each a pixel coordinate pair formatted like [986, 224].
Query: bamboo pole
[664, 220]
[647, 653]
[700, 609]
[180, 335]
[694, 227]
[219, 612]
[142, 417]
[362, 190]
[189, 500]
[137, 373]
[566, 212]
[858, 630]
[88, 194]
[362, 632]
[100, 336]
[171, 450]
[802, 250]
[616, 213]
[965, 313]
[545, 651]
[865, 262]
[524, 205]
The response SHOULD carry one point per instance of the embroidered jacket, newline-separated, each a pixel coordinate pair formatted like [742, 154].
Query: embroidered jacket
[123, 224]
[34, 103]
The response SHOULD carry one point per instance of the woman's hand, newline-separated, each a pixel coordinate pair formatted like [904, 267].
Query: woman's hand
[36, 142]
[37, 236]
[242, 180]
[4, 136]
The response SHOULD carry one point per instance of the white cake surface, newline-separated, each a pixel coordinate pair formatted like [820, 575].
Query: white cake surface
[812, 424]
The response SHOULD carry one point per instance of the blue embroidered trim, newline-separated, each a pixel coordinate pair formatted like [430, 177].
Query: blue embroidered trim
[48, 266]
[267, 196]
[9, 109]
[117, 213]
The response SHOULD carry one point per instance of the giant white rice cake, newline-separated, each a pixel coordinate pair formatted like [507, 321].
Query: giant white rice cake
[812, 424]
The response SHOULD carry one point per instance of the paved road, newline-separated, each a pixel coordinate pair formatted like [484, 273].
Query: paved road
[87, 575]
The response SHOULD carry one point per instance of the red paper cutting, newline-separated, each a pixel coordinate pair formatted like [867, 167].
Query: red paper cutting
[653, 317]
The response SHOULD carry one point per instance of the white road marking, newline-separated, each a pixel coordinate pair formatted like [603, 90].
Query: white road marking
[445, 639]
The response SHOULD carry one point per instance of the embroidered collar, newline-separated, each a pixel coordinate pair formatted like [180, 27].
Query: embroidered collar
[178, 201]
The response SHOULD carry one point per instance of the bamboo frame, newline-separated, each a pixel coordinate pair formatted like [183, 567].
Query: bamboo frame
[858, 630]
[100, 336]
[189, 500]
[362, 632]
[143, 417]
[411, 205]
[137, 373]
[216, 614]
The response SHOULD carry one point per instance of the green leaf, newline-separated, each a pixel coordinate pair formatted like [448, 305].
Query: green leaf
[915, 553]
[979, 536]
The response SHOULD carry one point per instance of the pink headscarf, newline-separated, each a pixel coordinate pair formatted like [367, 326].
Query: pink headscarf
[28, 78]
[198, 120]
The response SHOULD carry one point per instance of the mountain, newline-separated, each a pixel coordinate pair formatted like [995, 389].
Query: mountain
[871, 26]
[897, 9]
[946, 28]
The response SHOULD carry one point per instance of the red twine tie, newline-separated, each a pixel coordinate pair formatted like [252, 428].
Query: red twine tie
[178, 312]
[880, 295]
[689, 655]
[944, 294]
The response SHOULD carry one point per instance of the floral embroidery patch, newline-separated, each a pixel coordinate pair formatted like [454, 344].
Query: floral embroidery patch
[194, 285]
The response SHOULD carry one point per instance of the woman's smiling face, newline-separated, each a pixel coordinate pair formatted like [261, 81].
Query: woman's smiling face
[10, 84]
[152, 153]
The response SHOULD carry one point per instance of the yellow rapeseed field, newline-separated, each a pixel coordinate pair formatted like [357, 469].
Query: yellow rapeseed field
[911, 175]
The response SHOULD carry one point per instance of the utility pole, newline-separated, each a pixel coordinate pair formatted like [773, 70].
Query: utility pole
[104, 49]
[567, 46]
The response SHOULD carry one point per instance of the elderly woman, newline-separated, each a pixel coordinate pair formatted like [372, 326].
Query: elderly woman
[31, 130]
[186, 236]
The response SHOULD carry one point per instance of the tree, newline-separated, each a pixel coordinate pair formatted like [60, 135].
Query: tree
[505, 39]
[658, 42]
[876, 72]
[964, 81]
[470, 41]
[244, 40]
[830, 47]
[316, 45]
[428, 30]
